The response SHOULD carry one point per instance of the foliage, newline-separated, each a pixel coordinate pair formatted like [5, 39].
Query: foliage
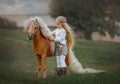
[7, 24]
[89, 16]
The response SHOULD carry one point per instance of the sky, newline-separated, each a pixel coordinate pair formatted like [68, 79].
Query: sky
[23, 7]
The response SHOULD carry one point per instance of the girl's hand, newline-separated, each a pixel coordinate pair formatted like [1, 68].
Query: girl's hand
[52, 38]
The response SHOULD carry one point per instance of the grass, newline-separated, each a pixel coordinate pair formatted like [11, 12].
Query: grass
[18, 64]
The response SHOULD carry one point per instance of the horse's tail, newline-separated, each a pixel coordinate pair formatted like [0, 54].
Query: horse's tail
[77, 67]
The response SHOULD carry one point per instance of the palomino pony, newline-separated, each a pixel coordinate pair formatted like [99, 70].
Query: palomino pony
[43, 48]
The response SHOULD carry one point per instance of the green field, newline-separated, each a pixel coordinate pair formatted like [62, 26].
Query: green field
[18, 64]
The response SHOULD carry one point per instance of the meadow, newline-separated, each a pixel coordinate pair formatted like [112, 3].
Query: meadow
[18, 63]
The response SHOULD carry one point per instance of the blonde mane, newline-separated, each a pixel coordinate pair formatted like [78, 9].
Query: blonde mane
[44, 29]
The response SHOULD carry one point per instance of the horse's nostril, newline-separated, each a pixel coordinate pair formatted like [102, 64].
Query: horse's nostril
[31, 36]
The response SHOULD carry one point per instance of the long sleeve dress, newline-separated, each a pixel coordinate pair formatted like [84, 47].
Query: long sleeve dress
[60, 36]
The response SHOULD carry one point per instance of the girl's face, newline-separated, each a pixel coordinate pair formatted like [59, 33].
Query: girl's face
[59, 25]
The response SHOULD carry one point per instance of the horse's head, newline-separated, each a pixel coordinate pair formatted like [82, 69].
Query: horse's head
[34, 26]
[32, 29]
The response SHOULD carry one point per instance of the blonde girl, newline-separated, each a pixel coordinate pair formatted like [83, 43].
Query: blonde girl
[64, 41]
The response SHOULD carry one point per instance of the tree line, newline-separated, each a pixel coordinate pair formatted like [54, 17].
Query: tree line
[89, 15]
[7, 24]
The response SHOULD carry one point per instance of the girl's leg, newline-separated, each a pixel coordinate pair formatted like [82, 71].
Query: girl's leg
[58, 61]
[58, 71]
[63, 65]
[62, 61]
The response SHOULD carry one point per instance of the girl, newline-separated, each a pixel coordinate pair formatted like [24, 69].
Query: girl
[63, 41]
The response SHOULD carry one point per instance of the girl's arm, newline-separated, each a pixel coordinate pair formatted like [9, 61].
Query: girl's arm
[53, 36]
[61, 36]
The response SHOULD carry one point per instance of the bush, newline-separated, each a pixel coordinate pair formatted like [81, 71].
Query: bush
[6, 24]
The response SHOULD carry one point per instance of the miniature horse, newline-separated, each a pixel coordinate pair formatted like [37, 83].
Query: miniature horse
[41, 46]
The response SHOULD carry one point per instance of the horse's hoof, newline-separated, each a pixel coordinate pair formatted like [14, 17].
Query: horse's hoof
[44, 77]
[39, 75]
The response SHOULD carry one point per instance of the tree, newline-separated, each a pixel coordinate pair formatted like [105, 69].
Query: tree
[88, 16]
[5, 23]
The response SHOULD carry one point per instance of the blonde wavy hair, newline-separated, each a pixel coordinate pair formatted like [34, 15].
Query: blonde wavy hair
[69, 35]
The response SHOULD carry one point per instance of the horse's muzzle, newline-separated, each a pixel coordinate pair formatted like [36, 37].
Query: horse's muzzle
[31, 36]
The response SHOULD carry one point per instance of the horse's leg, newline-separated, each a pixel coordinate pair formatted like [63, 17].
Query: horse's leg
[38, 58]
[43, 61]
[67, 61]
